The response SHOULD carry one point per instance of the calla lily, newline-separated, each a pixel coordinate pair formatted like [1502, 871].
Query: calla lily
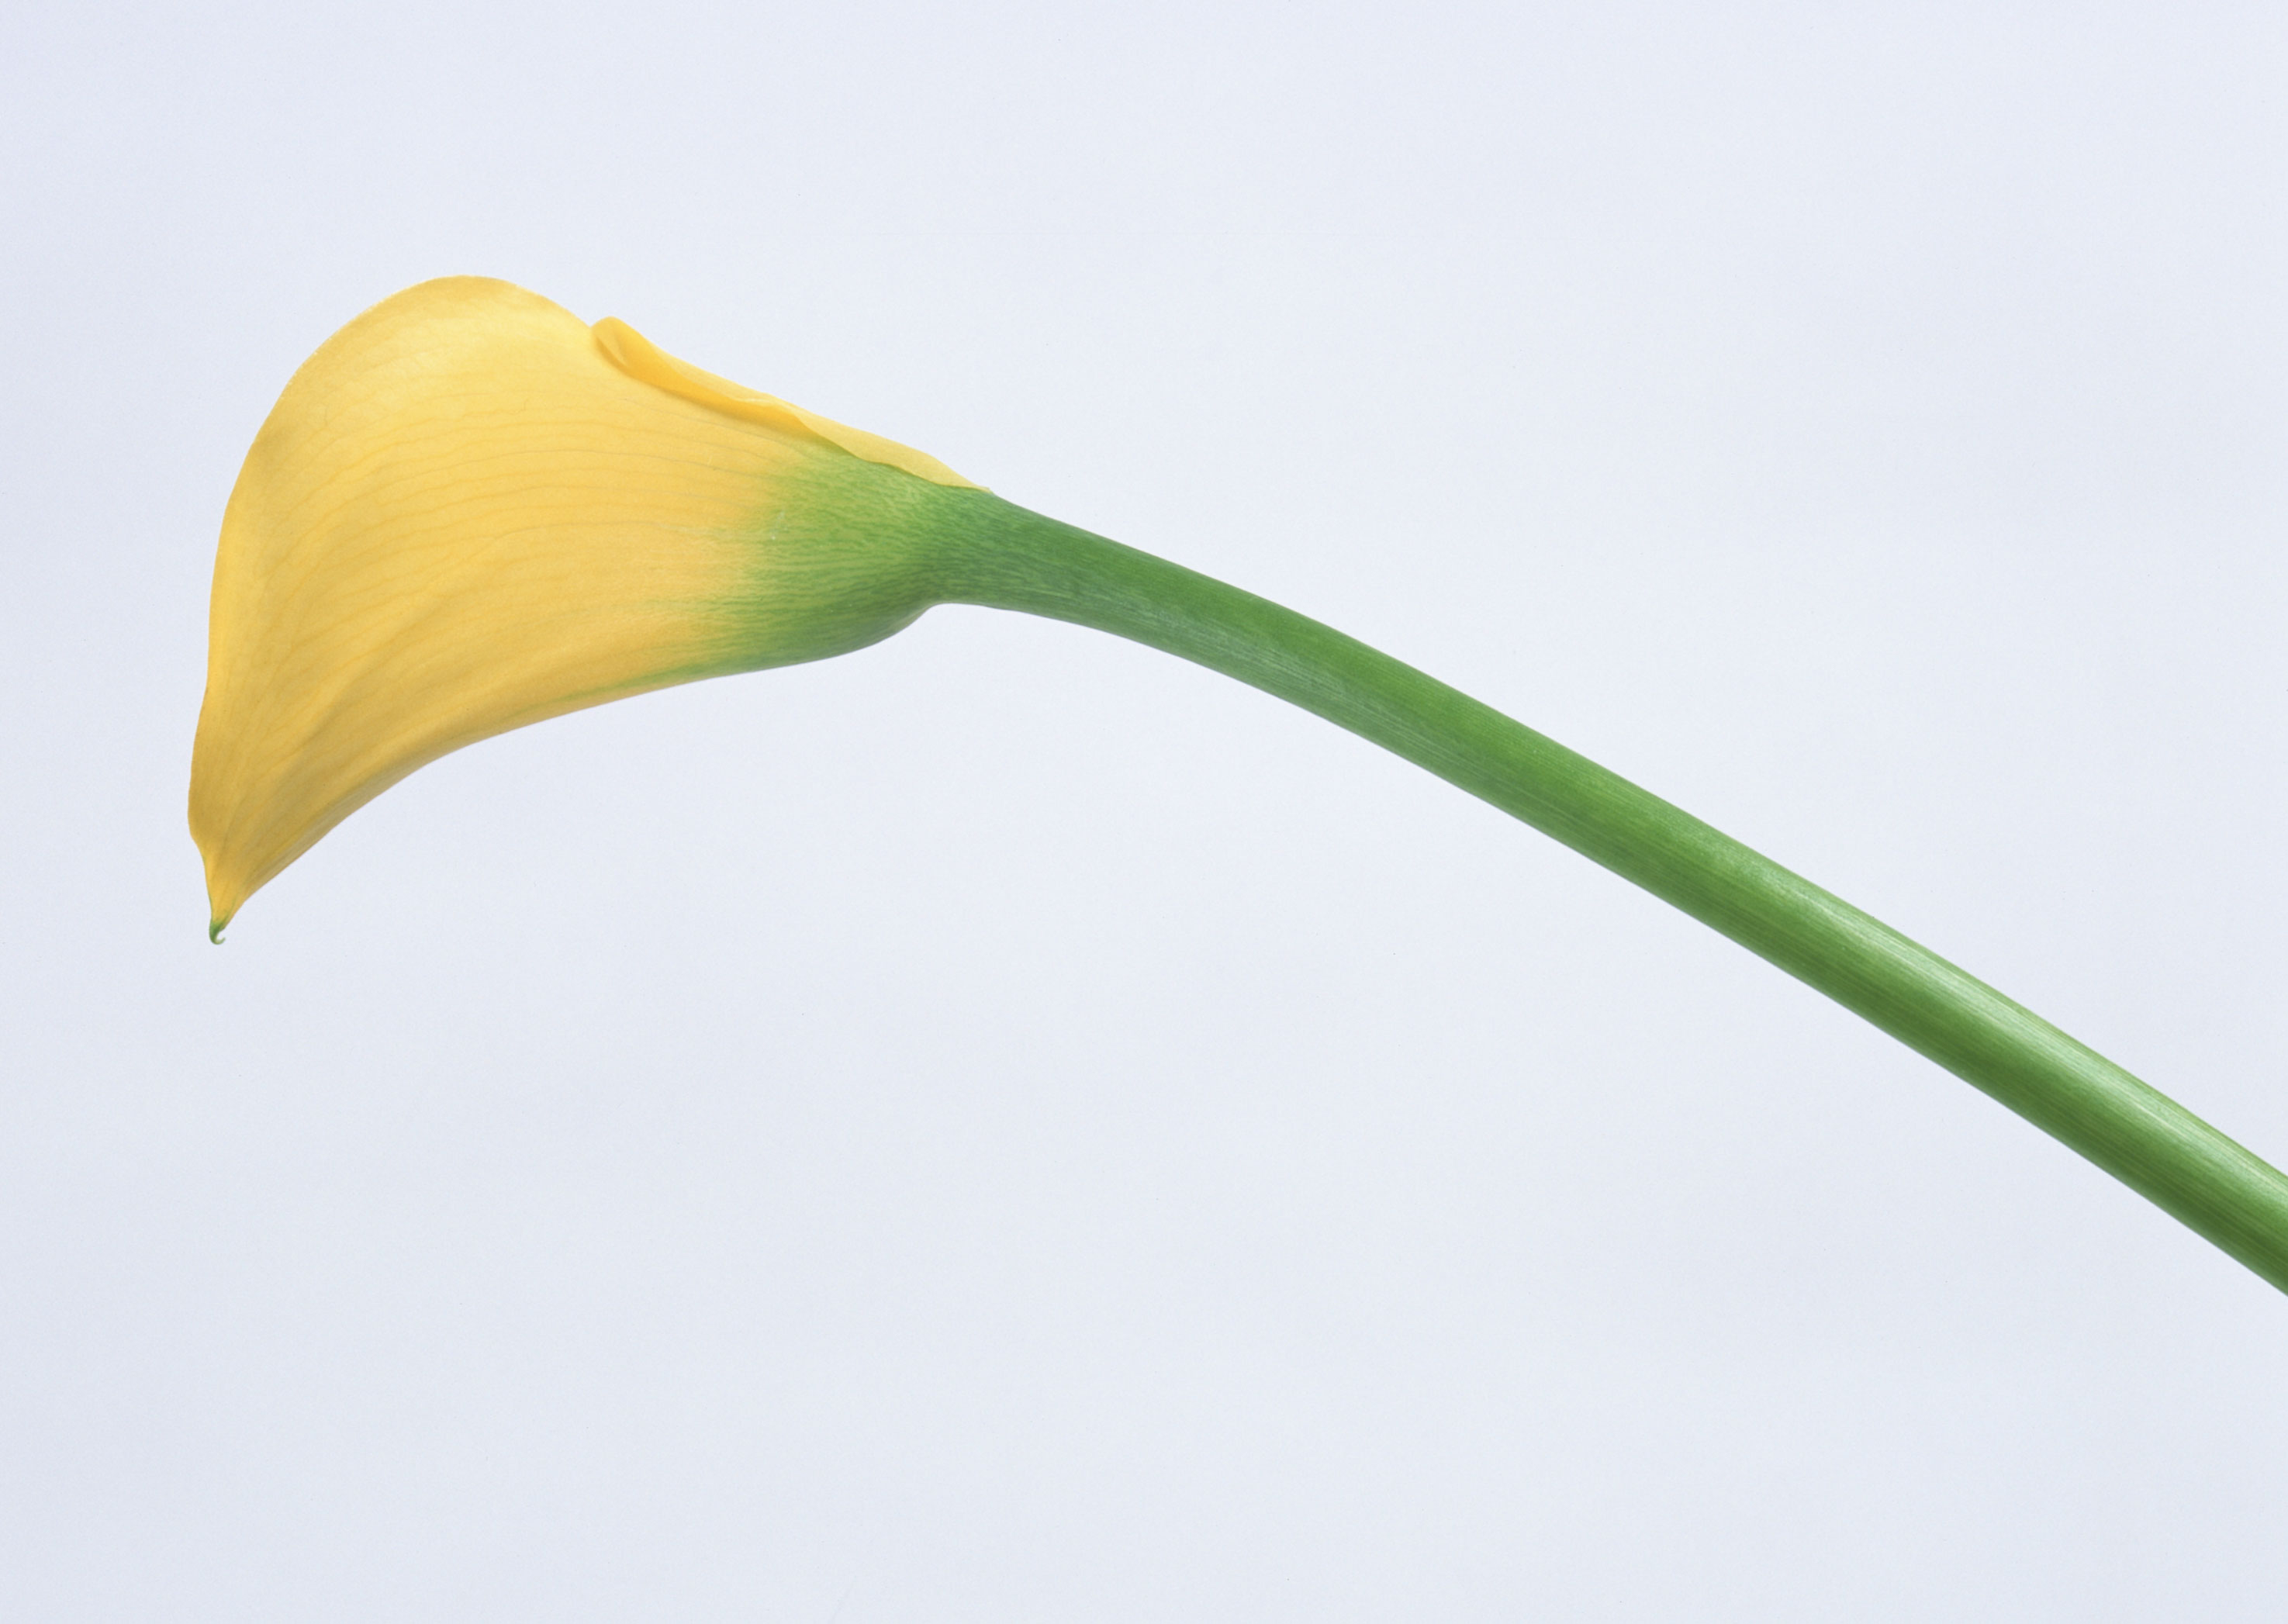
[470, 511]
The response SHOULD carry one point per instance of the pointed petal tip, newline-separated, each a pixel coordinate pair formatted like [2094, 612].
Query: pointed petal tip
[224, 897]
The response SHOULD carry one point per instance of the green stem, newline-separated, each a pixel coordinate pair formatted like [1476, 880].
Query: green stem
[1006, 557]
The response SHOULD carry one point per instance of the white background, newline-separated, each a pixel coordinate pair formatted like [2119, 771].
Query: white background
[1007, 1126]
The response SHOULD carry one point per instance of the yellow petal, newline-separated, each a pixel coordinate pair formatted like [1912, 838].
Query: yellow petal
[469, 512]
[639, 357]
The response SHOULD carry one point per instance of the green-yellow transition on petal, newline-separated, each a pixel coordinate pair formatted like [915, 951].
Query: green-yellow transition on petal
[470, 511]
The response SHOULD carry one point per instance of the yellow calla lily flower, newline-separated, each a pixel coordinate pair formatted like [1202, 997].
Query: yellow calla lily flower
[471, 511]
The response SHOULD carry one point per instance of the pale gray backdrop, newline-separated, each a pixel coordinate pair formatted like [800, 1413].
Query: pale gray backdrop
[1009, 1127]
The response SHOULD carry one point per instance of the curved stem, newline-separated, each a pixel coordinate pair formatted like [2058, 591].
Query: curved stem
[1006, 557]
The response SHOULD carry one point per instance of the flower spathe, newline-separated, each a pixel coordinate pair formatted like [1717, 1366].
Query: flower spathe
[470, 511]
